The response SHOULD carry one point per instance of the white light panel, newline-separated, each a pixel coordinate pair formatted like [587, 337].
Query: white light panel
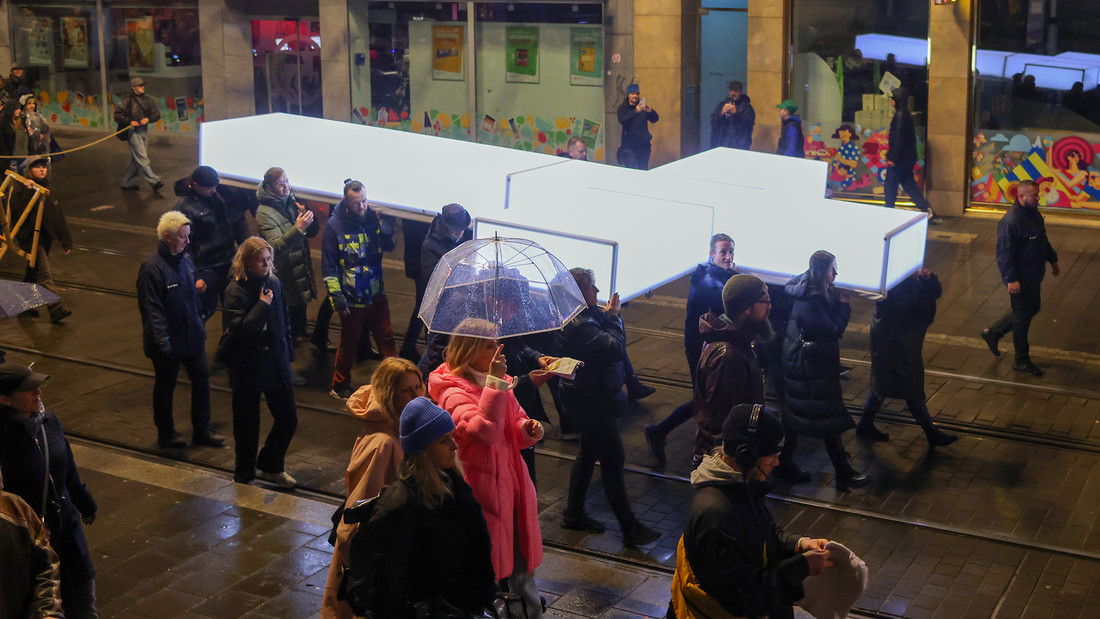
[906, 50]
[1052, 71]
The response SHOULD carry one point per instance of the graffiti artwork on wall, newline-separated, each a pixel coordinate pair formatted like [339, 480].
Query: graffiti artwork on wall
[856, 157]
[65, 107]
[1063, 164]
[530, 133]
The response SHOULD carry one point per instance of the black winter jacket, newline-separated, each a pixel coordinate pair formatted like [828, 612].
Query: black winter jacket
[1022, 246]
[275, 218]
[733, 130]
[215, 230]
[133, 107]
[67, 498]
[256, 327]
[599, 341]
[704, 296]
[811, 362]
[741, 557]
[437, 243]
[54, 226]
[406, 553]
[171, 323]
[636, 126]
[902, 140]
[728, 374]
[897, 338]
[792, 142]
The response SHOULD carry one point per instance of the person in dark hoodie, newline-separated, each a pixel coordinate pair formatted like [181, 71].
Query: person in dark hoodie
[288, 225]
[792, 143]
[902, 154]
[351, 265]
[704, 296]
[38, 467]
[448, 230]
[635, 116]
[262, 349]
[732, 121]
[811, 366]
[54, 229]
[215, 233]
[733, 559]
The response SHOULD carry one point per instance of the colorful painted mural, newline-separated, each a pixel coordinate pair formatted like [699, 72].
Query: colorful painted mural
[528, 133]
[1063, 164]
[179, 114]
[856, 156]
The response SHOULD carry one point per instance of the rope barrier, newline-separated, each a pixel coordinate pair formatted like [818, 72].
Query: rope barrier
[70, 150]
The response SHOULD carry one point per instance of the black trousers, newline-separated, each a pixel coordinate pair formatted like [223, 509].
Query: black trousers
[320, 327]
[599, 441]
[261, 378]
[216, 279]
[902, 174]
[1025, 304]
[635, 157]
[299, 322]
[917, 408]
[166, 370]
[834, 448]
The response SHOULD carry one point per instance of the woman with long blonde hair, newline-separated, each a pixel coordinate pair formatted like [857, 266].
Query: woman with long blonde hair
[491, 428]
[375, 458]
[259, 349]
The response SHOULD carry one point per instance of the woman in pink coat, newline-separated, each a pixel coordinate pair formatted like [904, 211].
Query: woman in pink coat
[374, 458]
[491, 429]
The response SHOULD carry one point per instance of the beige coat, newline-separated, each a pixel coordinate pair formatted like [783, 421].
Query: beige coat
[374, 460]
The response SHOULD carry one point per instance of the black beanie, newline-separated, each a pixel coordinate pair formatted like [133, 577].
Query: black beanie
[766, 440]
[740, 292]
[205, 176]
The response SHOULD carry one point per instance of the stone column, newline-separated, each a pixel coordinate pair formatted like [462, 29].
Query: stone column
[7, 55]
[767, 62]
[658, 70]
[335, 60]
[227, 65]
[618, 39]
[951, 40]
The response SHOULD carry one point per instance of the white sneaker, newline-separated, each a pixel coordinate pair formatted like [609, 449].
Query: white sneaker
[281, 479]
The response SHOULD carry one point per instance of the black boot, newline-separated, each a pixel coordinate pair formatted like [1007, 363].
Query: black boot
[937, 437]
[867, 430]
[848, 478]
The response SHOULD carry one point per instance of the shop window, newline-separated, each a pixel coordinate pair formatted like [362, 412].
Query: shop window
[287, 66]
[845, 57]
[1036, 103]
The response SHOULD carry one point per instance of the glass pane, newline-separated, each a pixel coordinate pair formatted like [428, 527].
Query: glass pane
[1036, 104]
[287, 66]
[841, 53]
[540, 76]
[58, 46]
[408, 66]
[161, 46]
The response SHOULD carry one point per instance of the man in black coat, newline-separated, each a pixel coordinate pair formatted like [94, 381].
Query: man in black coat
[732, 549]
[732, 121]
[634, 116]
[902, 155]
[1022, 253]
[54, 228]
[173, 332]
[215, 233]
[38, 466]
[897, 366]
[138, 110]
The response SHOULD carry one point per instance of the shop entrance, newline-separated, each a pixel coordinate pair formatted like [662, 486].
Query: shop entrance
[723, 44]
[287, 66]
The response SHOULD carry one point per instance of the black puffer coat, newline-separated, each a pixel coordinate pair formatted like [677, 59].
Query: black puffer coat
[67, 498]
[704, 296]
[293, 263]
[437, 243]
[215, 230]
[599, 341]
[171, 324]
[811, 362]
[897, 337]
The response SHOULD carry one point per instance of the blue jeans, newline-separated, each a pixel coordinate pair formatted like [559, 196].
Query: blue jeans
[139, 159]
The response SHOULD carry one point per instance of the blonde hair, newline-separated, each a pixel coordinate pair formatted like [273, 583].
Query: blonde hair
[248, 250]
[432, 483]
[170, 222]
[464, 348]
[387, 376]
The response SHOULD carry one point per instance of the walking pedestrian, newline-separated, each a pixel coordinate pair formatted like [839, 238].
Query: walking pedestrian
[54, 229]
[792, 143]
[260, 351]
[1022, 253]
[898, 328]
[634, 116]
[138, 109]
[901, 157]
[173, 332]
[811, 365]
[732, 121]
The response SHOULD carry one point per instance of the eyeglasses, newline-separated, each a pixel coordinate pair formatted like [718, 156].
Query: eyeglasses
[768, 301]
[285, 183]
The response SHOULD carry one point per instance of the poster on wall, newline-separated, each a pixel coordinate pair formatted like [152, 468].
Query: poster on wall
[521, 59]
[74, 41]
[447, 44]
[139, 39]
[40, 42]
[586, 56]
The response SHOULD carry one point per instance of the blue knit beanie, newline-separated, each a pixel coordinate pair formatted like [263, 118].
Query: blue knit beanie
[633, 88]
[423, 423]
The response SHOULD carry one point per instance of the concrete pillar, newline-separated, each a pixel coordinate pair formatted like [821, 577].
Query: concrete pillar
[6, 52]
[950, 34]
[227, 65]
[767, 62]
[335, 60]
[618, 39]
[658, 38]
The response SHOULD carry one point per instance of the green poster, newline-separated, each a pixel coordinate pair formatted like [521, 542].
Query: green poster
[586, 56]
[521, 62]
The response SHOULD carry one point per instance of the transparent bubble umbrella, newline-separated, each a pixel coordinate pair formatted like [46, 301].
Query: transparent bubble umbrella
[16, 297]
[512, 283]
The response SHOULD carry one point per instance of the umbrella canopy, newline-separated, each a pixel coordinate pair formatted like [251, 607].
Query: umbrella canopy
[512, 283]
[16, 297]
